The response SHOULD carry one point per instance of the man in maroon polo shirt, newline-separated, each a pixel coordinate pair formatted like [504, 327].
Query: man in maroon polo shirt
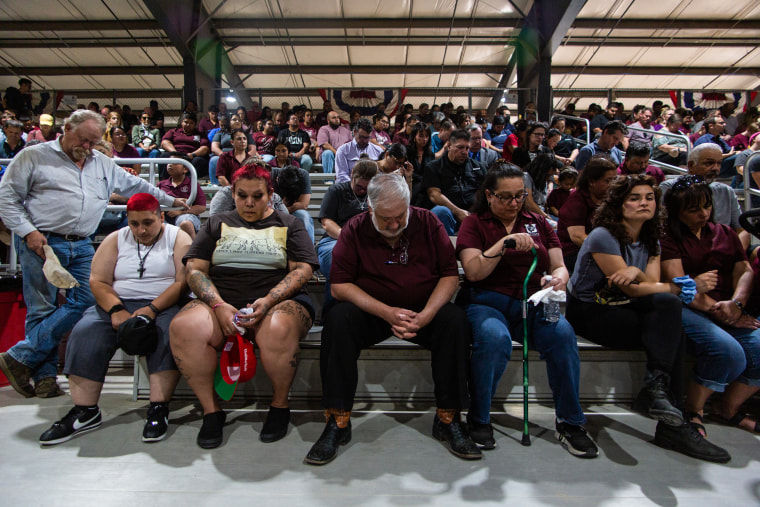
[577, 214]
[393, 272]
[187, 140]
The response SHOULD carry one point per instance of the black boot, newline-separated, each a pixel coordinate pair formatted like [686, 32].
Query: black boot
[326, 448]
[276, 425]
[655, 400]
[457, 440]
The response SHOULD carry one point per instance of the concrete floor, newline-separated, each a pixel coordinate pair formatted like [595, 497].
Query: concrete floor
[392, 460]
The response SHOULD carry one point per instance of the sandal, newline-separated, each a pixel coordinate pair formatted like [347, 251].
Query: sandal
[700, 426]
[736, 421]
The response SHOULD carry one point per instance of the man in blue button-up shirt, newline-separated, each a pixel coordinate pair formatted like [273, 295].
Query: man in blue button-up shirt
[55, 194]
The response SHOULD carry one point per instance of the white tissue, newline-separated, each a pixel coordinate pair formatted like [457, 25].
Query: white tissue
[242, 311]
[547, 294]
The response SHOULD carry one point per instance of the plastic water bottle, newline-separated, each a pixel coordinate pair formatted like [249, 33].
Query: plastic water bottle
[551, 307]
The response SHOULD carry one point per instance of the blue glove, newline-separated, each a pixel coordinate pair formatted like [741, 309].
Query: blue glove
[688, 288]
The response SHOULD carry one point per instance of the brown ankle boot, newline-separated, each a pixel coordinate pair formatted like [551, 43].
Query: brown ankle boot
[341, 416]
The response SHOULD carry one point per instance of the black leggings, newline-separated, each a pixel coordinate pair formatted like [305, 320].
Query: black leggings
[650, 322]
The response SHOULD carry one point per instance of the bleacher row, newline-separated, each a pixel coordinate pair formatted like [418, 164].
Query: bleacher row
[396, 370]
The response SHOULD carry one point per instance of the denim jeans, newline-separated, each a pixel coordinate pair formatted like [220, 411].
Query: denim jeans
[46, 322]
[212, 163]
[306, 162]
[723, 354]
[495, 319]
[324, 252]
[154, 153]
[446, 217]
[328, 162]
[308, 222]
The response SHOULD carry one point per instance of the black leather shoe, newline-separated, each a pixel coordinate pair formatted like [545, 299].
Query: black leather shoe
[481, 434]
[457, 440]
[276, 425]
[687, 440]
[655, 401]
[211, 434]
[326, 448]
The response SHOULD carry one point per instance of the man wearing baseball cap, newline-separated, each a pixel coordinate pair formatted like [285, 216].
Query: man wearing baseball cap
[46, 132]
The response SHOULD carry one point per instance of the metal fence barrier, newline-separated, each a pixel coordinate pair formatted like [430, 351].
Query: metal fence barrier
[152, 163]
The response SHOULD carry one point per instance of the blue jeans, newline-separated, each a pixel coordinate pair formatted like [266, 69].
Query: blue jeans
[154, 153]
[723, 354]
[304, 217]
[324, 252]
[212, 163]
[46, 322]
[306, 163]
[446, 217]
[495, 318]
[328, 162]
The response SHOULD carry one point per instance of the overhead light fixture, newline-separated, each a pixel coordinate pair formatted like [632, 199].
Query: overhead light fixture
[230, 96]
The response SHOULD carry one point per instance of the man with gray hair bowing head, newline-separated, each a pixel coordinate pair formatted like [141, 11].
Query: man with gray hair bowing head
[393, 272]
[54, 194]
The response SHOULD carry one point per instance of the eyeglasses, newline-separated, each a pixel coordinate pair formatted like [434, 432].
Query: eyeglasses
[145, 117]
[403, 257]
[506, 199]
[685, 182]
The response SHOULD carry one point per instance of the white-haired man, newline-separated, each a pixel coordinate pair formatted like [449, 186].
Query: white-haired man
[55, 194]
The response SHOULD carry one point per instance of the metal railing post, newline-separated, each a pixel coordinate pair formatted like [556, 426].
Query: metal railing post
[748, 190]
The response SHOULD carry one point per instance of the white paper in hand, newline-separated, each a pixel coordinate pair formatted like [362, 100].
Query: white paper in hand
[546, 295]
[55, 273]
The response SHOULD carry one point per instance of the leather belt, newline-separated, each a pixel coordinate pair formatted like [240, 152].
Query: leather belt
[67, 237]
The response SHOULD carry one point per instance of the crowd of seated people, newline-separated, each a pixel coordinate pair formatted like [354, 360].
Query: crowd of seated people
[653, 279]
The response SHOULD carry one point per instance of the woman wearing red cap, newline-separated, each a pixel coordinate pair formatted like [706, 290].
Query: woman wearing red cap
[252, 257]
[136, 271]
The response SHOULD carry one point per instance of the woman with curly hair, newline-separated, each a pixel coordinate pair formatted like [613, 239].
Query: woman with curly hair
[616, 299]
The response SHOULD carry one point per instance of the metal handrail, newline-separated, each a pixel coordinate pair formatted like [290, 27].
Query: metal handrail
[666, 133]
[748, 190]
[588, 124]
[151, 163]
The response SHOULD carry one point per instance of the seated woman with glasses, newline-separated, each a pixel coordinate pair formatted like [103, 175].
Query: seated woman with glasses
[616, 299]
[492, 295]
[724, 338]
[533, 146]
[145, 138]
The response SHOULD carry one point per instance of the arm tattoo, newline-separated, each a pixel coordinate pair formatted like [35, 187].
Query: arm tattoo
[289, 285]
[203, 287]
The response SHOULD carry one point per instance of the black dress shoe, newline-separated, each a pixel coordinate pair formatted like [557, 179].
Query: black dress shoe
[457, 440]
[481, 434]
[211, 435]
[326, 448]
[276, 425]
[687, 440]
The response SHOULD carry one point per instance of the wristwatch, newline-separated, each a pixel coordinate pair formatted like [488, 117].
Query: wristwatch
[116, 308]
[738, 304]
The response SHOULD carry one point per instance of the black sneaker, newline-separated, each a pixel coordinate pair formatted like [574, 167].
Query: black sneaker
[576, 440]
[78, 420]
[325, 449]
[157, 422]
[457, 440]
[481, 434]
[211, 434]
[687, 440]
[276, 425]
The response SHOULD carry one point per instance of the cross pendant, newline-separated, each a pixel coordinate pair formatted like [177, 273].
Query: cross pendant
[141, 270]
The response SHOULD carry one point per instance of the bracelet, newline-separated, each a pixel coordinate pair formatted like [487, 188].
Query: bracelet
[500, 254]
[118, 307]
[154, 309]
[213, 308]
[738, 304]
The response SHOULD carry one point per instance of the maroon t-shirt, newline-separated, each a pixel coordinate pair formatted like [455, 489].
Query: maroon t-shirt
[717, 248]
[578, 210]
[182, 191]
[264, 143]
[361, 257]
[483, 230]
[227, 165]
[185, 143]
[557, 198]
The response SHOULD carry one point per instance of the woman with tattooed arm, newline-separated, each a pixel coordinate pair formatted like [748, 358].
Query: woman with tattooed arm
[252, 257]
